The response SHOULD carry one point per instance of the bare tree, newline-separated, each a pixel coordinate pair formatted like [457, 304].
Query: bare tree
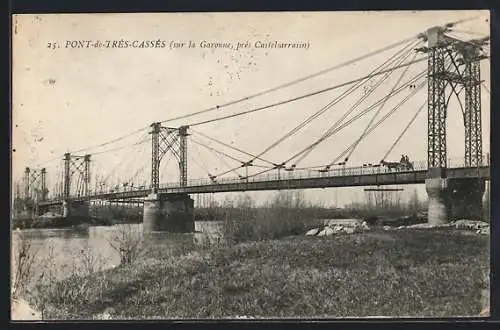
[129, 242]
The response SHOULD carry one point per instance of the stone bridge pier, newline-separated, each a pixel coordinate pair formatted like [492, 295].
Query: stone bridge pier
[453, 198]
[168, 213]
[76, 211]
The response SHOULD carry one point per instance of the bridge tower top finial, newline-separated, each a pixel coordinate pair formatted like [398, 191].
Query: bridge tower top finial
[435, 36]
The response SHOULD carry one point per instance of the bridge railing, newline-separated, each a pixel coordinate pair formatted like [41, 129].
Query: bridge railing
[460, 162]
[284, 174]
[301, 174]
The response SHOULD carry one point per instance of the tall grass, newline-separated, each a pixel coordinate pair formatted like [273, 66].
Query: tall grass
[284, 215]
[386, 204]
[76, 280]
[408, 273]
[22, 266]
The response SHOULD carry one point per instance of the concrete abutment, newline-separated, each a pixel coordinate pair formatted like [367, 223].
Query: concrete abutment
[168, 213]
[453, 198]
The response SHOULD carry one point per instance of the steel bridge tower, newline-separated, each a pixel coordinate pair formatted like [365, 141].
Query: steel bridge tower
[472, 114]
[454, 63]
[76, 210]
[168, 212]
[164, 140]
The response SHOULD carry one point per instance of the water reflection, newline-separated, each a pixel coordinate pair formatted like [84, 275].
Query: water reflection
[64, 250]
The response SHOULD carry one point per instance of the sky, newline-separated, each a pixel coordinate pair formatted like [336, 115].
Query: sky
[66, 99]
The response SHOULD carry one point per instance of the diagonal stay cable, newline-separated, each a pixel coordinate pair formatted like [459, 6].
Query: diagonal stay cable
[142, 168]
[231, 147]
[400, 55]
[201, 166]
[378, 51]
[213, 150]
[303, 96]
[272, 89]
[378, 111]
[405, 129]
[205, 167]
[371, 129]
[334, 128]
[114, 170]
[354, 107]
[137, 156]
[387, 115]
[222, 159]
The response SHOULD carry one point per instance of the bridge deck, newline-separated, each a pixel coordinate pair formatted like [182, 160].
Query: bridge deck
[350, 178]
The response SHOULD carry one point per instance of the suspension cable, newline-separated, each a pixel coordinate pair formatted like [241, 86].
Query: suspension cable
[345, 115]
[293, 82]
[339, 121]
[305, 122]
[394, 109]
[335, 128]
[378, 111]
[105, 178]
[386, 116]
[371, 129]
[332, 131]
[112, 141]
[303, 96]
[397, 106]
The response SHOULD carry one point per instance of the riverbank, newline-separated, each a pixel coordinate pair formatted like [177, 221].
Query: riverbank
[22, 311]
[415, 273]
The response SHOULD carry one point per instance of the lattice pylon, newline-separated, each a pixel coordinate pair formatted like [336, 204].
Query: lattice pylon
[163, 140]
[463, 52]
[472, 113]
[35, 184]
[436, 117]
[79, 165]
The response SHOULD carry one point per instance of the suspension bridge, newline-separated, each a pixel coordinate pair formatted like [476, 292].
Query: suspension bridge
[433, 67]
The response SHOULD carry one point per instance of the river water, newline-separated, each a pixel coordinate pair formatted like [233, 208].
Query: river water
[61, 251]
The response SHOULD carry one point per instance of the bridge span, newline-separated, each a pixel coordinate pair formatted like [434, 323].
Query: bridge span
[349, 177]
[453, 190]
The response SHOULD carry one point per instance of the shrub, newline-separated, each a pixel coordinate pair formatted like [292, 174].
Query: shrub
[129, 242]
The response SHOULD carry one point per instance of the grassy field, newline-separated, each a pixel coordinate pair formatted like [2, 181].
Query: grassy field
[394, 273]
